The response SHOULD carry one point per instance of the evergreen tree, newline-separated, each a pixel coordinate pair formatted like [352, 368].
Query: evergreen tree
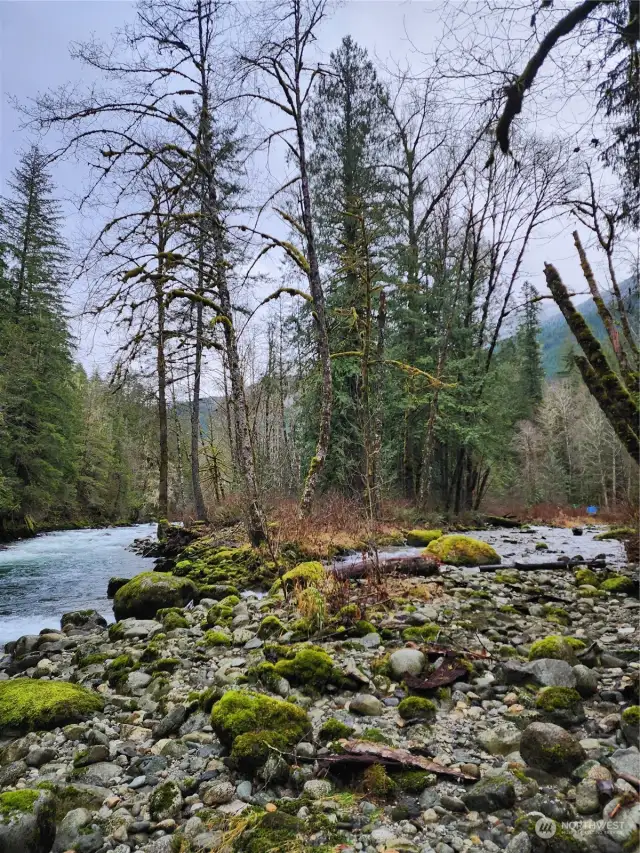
[39, 401]
[530, 356]
[347, 123]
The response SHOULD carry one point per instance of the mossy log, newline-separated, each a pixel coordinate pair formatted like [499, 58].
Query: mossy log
[415, 566]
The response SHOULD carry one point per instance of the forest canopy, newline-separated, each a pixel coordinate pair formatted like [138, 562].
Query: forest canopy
[317, 267]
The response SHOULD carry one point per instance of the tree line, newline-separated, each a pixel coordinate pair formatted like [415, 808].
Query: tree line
[344, 243]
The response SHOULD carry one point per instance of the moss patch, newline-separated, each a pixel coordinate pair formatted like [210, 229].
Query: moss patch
[557, 698]
[28, 705]
[458, 550]
[416, 708]
[149, 592]
[414, 781]
[586, 577]
[616, 533]
[618, 583]
[631, 715]
[556, 647]
[334, 730]
[270, 626]
[311, 668]
[422, 634]
[422, 538]
[304, 574]
[216, 638]
[210, 564]
[17, 802]
[250, 723]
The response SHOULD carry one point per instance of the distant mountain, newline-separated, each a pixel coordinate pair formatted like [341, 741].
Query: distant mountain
[556, 340]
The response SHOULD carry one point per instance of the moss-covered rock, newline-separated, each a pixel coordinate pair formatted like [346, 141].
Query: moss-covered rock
[586, 577]
[376, 781]
[417, 708]
[556, 647]
[149, 592]
[165, 802]
[216, 638]
[270, 626]
[172, 618]
[422, 538]
[333, 729]
[210, 564]
[414, 781]
[458, 550]
[29, 705]
[421, 634]
[304, 574]
[619, 583]
[616, 533]
[250, 724]
[549, 747]
[273, 831]
[561, 705]
[310, 668]
[27, 821]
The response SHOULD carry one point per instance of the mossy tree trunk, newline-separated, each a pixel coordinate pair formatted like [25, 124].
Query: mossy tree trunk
[617, 400]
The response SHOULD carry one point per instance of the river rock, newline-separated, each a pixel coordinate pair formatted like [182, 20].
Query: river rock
[216, 793]
[626, 761]
[587, 798]
[586, 680]
[552, 673]
[170, 723]
[27, 821]
[74, 833]
[491, 794]
[132, 629]
[165, 802]
[86, 620]
[366, 705]
[146, 593]
[318, 789]
[500, 739]
[626, 822]
[406, 662]
[549, 747]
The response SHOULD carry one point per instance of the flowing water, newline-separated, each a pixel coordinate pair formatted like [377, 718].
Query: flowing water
[515, 544]
[52, 574]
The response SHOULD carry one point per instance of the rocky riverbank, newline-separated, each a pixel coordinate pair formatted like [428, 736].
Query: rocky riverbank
[458, 711]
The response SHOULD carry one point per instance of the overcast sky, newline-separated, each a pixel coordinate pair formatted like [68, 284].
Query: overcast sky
[34, 56]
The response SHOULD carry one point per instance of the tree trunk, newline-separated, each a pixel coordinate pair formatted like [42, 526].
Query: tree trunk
[163, 432]
[198, 499]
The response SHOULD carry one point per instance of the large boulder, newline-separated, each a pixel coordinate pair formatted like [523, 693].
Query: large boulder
[457, 550]
[549, 747]
[491, 794]
[29, 705]
[149, 592]
[83, 620]
[27, 822]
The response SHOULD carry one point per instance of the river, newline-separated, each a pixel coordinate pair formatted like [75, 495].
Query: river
[54, 573]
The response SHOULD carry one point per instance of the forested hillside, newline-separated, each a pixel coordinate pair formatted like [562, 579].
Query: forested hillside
[337, 253]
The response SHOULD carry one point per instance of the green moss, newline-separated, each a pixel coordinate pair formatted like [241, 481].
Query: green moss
[631, 715]
[216, 638]
[348, 614]
[166, 665]
[117, 671]
[13, 802]
[274, 832]
[249, 723]
[92, 659]
[422, 538]
[422, 634]
[333, 729]
[557, 614]
[618, 583]
[460, 550]
[414, 781]
[562, 841]
[68, 797]
[264, 673]
[542, 546]
[507, 608]
[414, 707]
[309, 668]
[556, 647]
[29, 705]
[616, 533]
[510, 578]
[586, 577]
[380, 664]
[172, 618]
[362, 628]
[376, 782]
[557, 698]
[304, 574]
[270, 626]
[374, 735]
[229, 601]
[149, 592]
[210, 565]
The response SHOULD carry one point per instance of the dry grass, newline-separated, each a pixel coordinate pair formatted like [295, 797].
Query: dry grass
[564, 516]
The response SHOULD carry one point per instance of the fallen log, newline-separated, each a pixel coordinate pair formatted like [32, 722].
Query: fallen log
[449, 671]
[501, 521]
[361, 752]
[596, 563]
[422, 567]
